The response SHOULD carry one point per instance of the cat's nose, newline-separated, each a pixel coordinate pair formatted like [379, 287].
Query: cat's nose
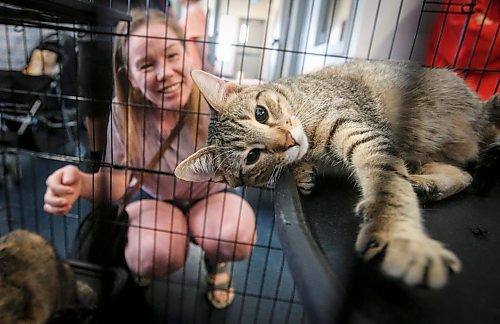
[289, 141]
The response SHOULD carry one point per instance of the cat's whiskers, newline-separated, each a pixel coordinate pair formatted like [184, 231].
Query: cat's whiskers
[270, 181]
[275, 175]
[305, 113]
[224, 155]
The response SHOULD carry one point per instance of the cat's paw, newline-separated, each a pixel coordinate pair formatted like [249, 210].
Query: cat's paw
[433, 187]
[413, 257]
[427, 191]
[305, 177]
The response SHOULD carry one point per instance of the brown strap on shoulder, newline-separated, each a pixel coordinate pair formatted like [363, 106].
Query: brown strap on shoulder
[154, 160]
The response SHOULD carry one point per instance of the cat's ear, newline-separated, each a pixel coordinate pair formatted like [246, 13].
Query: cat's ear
[199, 167]
[214, 89]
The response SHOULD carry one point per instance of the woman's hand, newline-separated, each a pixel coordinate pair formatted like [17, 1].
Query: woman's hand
[63, 188]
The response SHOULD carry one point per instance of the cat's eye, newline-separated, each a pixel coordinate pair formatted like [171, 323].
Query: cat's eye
[253, 156]
[261, 114]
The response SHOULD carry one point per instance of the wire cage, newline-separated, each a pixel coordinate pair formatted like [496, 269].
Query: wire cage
[246, 41]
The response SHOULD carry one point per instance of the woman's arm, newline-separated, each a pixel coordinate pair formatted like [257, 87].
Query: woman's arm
[107, 185]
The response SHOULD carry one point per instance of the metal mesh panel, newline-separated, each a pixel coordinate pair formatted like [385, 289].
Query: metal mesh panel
[247, 41]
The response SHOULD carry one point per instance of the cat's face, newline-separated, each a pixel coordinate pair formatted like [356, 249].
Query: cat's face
[253, 136]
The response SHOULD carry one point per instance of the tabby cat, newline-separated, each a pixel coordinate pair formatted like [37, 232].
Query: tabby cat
[399, 128]
[35, 284]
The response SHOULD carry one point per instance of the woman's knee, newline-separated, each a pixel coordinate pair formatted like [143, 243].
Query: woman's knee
[157, 238]
[151, 261]
[230, 248]
[224, 227]
[239, 249]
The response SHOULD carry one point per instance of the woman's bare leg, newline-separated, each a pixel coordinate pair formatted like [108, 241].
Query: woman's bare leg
[157, 238]
[224, 226]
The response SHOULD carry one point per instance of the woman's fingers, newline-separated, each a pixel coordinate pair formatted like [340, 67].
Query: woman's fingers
[61, 190]
[63, 181]
[55, 200]
[56, 210]
[70, 176]
[54, 204]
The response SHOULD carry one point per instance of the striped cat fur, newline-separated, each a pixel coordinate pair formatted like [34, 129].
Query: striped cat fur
[401, 130]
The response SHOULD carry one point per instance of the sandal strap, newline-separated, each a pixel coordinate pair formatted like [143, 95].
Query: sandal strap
[220, 286]
[226, 267]
[217, 268]
[212, 271]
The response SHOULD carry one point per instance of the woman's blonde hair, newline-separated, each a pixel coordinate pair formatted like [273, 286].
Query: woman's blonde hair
[131, 105]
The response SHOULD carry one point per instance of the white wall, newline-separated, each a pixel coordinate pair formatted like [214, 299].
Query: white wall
[377, 24]
[374, 30]
[343, 10]
[241, 9]
[17, 43]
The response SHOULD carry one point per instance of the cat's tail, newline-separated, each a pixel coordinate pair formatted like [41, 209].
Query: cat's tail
[487, 171]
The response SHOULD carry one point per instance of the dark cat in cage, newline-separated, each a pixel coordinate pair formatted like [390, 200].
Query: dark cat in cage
[36, 285]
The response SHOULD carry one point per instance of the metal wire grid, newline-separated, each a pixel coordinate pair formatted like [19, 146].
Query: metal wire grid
[293, 42]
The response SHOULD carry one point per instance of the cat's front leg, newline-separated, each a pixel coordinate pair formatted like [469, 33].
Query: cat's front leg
[392, 229]
[392, 224]
[304, 174]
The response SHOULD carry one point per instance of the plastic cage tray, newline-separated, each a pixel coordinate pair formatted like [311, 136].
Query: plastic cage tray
[318, 233]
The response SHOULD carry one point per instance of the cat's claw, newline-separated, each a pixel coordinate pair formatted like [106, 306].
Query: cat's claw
[434, 187]
[416, 259]
[305, 177]
[427, 191]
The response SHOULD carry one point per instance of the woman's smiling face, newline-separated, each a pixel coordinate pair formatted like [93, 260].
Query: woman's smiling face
[158, 66]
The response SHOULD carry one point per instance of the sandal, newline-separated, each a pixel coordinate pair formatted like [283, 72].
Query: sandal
[221, 287]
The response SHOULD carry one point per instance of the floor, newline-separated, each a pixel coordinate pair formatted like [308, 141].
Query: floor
[265, 291]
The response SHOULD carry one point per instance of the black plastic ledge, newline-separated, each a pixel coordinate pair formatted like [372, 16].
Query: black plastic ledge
[318, 233]
[60, 11]
[306, 261]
